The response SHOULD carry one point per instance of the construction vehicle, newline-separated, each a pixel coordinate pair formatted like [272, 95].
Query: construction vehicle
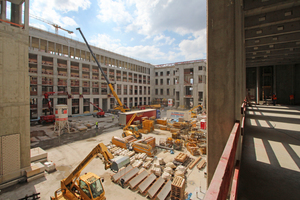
[193, 112]
[89, 185]
[121, 107]
[156, 106]
[131, 129]
[48, 118]
[100, 112]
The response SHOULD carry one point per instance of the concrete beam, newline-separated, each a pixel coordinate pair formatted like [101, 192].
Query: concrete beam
[292, 37]
[274, 30]
[267, 18]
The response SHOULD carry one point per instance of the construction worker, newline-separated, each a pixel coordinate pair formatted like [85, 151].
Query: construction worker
[291, 99]
[113, 118]
[96, 125]
[274, 98]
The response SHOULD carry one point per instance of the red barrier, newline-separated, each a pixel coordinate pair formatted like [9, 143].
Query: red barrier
[219, 186]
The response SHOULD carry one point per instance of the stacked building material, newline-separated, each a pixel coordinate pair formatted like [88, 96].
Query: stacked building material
[38, 154]
[155, 187]
[178, 188]
[121, 173]
[161, 121]
[193, 148]
[35, 171]
[181, 157]
[164, 191]
[146, 183]
[201, 165]
[138, 179]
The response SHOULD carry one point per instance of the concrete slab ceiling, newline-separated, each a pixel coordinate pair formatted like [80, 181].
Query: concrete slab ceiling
[272, 32]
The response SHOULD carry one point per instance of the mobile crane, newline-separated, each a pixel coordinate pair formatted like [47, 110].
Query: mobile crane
[193, 114]
[121, 107]
[48, 118]
[131, 129]
[101, 113]
[88, 186]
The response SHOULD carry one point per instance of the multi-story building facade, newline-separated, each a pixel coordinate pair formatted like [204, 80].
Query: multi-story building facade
[62, 65]
[183, 82]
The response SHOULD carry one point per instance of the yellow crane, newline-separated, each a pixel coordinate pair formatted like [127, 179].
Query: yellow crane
[131, 129]
[120, 107]
[88, 186]
[193, 113]
[56, 26]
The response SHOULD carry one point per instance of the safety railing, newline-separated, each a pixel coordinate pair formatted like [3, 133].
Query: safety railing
[227, 171]
[225, 179]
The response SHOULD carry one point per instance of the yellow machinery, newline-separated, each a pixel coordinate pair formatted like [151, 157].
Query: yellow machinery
[120, 107]
[169, 142]
[156, 106]
[193, 112]
[131, 129]
[89, 185]
[178, 144]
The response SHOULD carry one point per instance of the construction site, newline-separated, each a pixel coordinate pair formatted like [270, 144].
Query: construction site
[81, 122]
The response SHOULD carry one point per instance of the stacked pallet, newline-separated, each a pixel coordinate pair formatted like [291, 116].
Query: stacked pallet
[161, 121]
[178, 188]
[181, 157]
[35, 171]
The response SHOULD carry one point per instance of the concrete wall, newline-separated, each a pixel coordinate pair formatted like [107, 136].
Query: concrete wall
[14, 102]
[287, 80]
[226, 75]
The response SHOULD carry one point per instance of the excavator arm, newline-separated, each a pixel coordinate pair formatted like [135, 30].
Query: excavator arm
[129, 122]
[100, 148]
[121, 107]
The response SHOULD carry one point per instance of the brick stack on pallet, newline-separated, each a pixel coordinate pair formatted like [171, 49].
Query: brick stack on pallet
[178, 188]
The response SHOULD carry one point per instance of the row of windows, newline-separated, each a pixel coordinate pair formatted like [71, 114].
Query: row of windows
[201, 79]
[78, 54]
[168, 73]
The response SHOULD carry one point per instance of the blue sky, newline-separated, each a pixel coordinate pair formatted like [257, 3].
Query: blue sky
[153, 31]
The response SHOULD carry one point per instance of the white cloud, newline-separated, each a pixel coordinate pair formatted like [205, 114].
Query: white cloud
[71, 5]
[104, 41]
[195, 48]
[113, 11]
[39, 26]
[51, 10]
[168, 40]
[153, 17]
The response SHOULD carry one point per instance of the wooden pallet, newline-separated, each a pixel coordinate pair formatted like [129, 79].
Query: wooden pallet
[178, 187]
[181, 157]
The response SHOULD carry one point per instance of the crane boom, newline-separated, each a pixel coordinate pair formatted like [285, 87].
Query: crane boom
[100, 148]
[121, 107]
[56, 26]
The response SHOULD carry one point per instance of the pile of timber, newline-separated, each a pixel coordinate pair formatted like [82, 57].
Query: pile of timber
[178, 188]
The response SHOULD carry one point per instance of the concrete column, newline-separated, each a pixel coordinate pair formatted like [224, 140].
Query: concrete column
[26, 15]
[30, 42]
[3, 10]
[39, 86]
[257, 85]
[225, 75]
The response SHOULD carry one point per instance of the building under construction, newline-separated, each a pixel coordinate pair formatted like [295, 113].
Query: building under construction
[65, 66]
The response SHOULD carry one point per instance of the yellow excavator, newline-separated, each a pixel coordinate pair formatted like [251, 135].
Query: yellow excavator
[194, 113]
[131, 129]
[121, 107]
[88, 186]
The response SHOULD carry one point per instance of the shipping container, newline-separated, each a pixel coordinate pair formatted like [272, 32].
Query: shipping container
[125, 117]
